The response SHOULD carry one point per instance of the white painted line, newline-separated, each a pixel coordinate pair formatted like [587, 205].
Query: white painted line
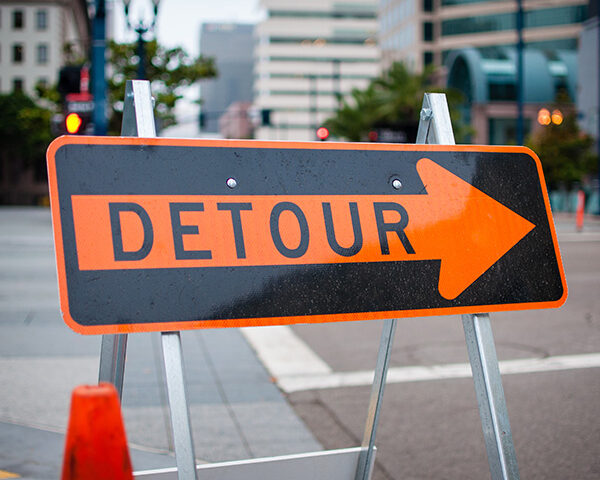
[296, 383]
[283, 353]
[564, 237]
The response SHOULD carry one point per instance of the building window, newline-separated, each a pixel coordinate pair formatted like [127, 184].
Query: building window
[427, 58]
[17, 84]
[18, 20]
[427, 31]
[446, 3]
[42, 54]
[502, 92]
[507, 21]
[18, 53]
[41, 19]
[503, 131]
[428, 5]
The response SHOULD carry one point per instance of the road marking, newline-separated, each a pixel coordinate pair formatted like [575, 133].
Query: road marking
[565, 237]
[298, 383]
[296, 367]
[283, 353]
[5, 474]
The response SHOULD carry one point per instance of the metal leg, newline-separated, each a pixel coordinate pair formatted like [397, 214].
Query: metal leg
[365, 461]
[180, 417]
[112, 360]
[435, 127]
[490, 397]
[138, 121]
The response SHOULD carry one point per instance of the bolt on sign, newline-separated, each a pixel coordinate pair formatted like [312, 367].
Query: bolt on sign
[169, 234]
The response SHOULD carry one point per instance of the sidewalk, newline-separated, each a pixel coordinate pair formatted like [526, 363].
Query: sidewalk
[236, 410]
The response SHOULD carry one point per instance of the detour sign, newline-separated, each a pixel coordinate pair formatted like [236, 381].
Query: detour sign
[163, 234]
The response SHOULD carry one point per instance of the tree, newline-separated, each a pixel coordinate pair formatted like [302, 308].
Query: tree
[24, 129]
[564, 150]
[356, 117]
[24, 137]
[393, 100]
[168, 69]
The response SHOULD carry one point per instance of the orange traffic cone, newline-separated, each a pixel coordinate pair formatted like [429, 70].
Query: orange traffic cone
[96, 446]
[580, 210]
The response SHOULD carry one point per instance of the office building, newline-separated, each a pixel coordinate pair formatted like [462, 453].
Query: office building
[37, 38]
[423, 32]
[475, 41]
[230, 45]
[307, 56]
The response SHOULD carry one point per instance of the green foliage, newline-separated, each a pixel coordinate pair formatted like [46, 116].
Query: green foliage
[168, 69]
[392, 100]
[24, 129]
[565, 152]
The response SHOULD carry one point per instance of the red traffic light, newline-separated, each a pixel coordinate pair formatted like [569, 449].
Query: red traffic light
[73, 123]
[322, 133]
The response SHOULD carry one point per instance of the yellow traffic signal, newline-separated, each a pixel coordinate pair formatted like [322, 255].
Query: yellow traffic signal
[73, 123]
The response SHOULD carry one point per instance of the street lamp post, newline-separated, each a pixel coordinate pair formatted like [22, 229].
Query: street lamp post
[520, 92]
[99, 68]
[141, 29]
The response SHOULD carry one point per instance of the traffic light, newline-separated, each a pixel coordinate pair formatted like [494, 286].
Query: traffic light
[77, 101]
[69, 80]
[322, 133]
[73, 123]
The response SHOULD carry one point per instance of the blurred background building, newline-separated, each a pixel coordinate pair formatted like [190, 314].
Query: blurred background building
[235, 122]
[307, 54]
[424, 32]
[476, 43]
[231, 45]
[37, 38]
[281, 78]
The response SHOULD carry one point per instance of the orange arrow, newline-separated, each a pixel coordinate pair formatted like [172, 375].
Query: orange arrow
[467, 229]
[453, 221]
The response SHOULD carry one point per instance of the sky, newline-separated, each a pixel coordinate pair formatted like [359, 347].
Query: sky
[179, 21]
[178, 24]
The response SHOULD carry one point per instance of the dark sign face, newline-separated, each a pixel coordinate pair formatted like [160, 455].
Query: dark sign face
[164, 234]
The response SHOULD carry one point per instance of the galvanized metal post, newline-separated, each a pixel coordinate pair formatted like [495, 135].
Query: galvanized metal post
[180, 416]
[490, 397]
[433, 114]
[367, 454]
[435, 127]
[138, 121]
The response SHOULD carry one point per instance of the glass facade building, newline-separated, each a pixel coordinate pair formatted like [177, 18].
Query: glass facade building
[422, 32]
[474, 44]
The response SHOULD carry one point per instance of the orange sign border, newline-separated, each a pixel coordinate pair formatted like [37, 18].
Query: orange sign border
[288, 320]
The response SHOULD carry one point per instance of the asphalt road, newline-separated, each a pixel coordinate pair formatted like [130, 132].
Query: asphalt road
[431, 429]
